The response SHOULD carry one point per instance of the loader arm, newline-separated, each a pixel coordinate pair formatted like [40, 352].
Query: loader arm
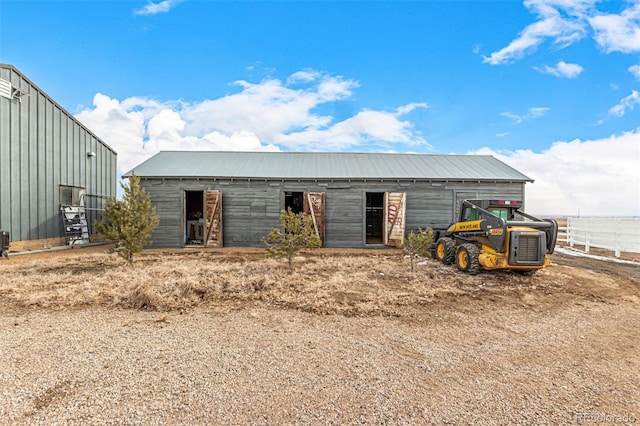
[549, 226]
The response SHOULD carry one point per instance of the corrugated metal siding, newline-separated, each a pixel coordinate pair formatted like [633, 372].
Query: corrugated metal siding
[251, 208]
[42, 147]
[314, 165]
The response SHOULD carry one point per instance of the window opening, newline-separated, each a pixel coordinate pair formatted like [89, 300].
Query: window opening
[71, 195]
[469, 214]
[501, 212]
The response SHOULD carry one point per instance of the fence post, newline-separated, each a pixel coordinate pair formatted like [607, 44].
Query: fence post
[569, 233]
[587, 236]
[618, 235]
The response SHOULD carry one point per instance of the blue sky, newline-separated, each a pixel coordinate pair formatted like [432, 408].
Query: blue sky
[549, 86]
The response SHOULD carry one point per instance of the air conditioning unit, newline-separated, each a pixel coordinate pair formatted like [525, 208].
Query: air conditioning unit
[4, 243]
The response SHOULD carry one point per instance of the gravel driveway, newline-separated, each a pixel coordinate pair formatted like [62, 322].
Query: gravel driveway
[476, 364]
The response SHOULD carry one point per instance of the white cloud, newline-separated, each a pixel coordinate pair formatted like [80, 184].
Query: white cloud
[304, 76]
[559, 20]
[517, 119]
[380, 128]
[591, 178]
[121, 126]
[405, 109]
[618, 33]
[565, 22]
[562, 70]
[267, 116]
[270, 108]
[635, 70]
[155, 8]
[137, 128]
[537, 112]
[532, 113]
[625, 103]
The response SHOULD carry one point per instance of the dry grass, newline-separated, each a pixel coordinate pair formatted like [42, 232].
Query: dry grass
[362, 284]
[345, 282]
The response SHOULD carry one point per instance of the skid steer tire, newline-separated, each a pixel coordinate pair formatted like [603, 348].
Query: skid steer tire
[445, 250]
[467, 258]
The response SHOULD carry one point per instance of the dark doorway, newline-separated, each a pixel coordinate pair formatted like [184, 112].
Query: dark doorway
[374, 217]
[194, 214]
[294, 200]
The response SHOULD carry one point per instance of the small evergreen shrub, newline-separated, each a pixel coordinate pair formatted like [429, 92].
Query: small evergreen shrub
[130, 221]
[418, 244]
[296, 232]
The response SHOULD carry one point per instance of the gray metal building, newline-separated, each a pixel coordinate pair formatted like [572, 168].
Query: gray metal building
[356, 199]
[48, 159]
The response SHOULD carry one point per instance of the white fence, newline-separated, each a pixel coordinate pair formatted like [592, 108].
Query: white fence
[613, 233]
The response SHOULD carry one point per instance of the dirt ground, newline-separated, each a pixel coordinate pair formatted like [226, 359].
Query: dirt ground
[568, 279]
[385, 345]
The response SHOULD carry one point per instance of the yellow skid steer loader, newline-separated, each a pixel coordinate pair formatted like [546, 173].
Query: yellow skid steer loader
[496, 234]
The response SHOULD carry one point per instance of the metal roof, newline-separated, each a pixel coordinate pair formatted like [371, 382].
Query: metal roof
[325, 165]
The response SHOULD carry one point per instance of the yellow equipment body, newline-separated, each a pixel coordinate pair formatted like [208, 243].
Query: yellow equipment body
[496, 234]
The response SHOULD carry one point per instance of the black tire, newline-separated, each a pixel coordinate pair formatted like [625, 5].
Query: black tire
[445, 250]
[467, 258]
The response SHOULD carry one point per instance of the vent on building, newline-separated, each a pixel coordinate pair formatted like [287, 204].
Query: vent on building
[5, 89]
[10, 92]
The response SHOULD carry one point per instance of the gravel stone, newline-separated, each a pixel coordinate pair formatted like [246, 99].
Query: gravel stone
[272, 366]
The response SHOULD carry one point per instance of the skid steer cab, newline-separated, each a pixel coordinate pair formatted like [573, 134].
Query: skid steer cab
[496, 234]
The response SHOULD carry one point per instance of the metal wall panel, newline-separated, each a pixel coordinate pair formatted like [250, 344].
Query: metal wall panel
[42, 147]
[6, 158]
[251, 208]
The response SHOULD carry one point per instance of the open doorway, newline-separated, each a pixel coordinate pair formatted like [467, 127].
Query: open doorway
[194, 214]
[294, 200]
[308, 203]
[375, 218]
[385, 218]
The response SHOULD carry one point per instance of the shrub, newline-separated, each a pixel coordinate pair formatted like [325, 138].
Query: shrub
[130, 221]
[418, 243]
[296, 232]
